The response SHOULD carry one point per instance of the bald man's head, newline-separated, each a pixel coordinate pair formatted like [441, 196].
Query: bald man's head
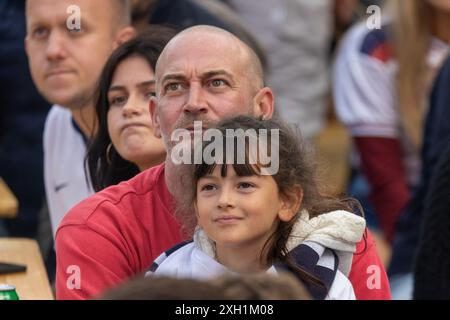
[207, 74]
[207, 38]
[120, 9]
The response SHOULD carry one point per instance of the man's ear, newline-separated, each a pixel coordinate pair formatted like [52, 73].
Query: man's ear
[290, 204]
[155, 117]
[264, 104]
[124, 35]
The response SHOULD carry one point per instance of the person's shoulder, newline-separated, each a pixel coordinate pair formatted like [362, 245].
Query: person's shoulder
[360, 41]
[376, 44]
[57, 122]
[108, 203]
[171, 259]
[57, 114]
[368, 275]
[341, 289]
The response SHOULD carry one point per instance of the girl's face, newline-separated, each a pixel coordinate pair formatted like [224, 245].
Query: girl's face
[239, 212]
[129, 121]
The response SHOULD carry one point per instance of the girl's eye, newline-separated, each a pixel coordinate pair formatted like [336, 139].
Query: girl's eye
[208, 187]
[245, 185]
[116, 101]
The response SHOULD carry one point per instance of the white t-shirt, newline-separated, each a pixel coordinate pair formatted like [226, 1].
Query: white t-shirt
[191, 262]
[64, 152]
[365, 89]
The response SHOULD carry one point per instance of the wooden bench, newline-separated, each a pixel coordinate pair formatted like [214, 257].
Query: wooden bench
[8, 202]
[32, 284]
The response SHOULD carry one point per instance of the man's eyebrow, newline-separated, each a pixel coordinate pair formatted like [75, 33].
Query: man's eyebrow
[214, 73]
[173, 76]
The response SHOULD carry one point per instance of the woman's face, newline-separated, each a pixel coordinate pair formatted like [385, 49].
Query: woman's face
[440, 5]
[129, 121]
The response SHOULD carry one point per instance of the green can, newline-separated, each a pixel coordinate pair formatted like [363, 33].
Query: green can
[8, 292]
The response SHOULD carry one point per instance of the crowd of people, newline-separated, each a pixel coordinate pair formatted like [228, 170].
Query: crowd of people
[101, 106]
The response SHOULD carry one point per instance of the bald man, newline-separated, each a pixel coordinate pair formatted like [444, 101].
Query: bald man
[65, 62]
[204, 74]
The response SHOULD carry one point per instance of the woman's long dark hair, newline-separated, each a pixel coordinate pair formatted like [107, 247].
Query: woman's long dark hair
[104, 164]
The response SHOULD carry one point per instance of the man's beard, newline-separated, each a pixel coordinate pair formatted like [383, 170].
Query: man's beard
[183, 123]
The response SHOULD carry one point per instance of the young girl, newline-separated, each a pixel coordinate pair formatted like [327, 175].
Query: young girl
[249, 222]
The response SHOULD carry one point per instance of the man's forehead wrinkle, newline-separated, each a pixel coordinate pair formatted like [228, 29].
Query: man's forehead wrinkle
[171, 61]
[90, 11]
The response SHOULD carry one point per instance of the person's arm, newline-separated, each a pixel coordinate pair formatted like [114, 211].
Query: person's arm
[88, 263]
[367, 274]
[364, 94]
[382, 164]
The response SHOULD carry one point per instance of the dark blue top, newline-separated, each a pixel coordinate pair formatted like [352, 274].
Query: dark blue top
[22, 116]
[436, 138]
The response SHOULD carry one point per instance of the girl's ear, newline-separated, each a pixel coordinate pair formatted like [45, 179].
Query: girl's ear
[290, 204]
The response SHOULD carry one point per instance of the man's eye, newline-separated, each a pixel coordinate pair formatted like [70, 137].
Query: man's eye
[218, 83]
[173, 87]
[76, 30]
[150, 94]
[40, 32]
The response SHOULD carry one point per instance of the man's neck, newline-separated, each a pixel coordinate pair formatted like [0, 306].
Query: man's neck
[179, 183]
[85, 119]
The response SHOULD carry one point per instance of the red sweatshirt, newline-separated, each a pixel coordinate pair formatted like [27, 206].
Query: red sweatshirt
[118, 232]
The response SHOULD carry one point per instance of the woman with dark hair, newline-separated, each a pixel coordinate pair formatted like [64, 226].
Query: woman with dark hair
[124, 144]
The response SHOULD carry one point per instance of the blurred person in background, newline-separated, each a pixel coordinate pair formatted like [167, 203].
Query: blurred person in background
[22, 117]
[230, 287]
[428, 212]
[65, 65]
[124, 143]
[381, 86]
[297, 36]
[182, 14]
